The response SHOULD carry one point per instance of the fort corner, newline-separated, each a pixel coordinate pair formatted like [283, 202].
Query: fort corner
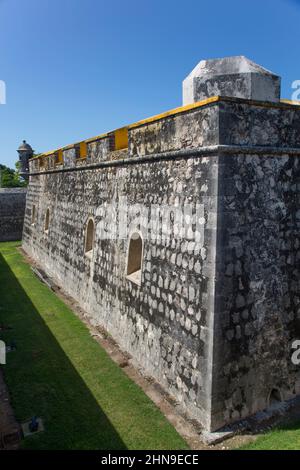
[211, 318]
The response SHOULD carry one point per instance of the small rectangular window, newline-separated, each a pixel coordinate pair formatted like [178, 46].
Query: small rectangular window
[89, 237]
[134, 262]
[33, 214]
[47, 221]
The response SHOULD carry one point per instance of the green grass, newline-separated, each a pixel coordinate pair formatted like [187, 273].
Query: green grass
[60, 373]
[286, 437]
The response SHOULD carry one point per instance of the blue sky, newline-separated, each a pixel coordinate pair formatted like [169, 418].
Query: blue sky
[77, 68]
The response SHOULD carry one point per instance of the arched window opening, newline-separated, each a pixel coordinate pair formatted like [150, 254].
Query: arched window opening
[47, 220]
[134, 261]
[89, 237]
[33, 214]
[275, 397]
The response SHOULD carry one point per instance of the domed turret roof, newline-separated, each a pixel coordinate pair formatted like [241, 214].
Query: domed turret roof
[24, 147]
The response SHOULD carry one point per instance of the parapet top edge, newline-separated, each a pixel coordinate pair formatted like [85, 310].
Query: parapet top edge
[283, 103]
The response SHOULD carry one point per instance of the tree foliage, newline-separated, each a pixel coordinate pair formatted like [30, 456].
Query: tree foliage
[10, 178]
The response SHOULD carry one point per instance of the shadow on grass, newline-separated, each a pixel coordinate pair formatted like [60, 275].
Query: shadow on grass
[42, 380]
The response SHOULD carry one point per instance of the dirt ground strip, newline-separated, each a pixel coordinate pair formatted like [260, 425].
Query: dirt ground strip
[10, 433]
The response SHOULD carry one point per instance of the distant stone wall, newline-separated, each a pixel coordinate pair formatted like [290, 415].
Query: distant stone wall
[12, 210]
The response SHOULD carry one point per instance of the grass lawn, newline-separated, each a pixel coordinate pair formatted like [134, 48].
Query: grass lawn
[60, 373]
[285, 438]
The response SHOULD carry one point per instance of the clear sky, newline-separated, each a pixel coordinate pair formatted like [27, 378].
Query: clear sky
[77, 68]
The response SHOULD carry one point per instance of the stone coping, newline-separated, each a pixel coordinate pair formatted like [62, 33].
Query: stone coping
[12, 190]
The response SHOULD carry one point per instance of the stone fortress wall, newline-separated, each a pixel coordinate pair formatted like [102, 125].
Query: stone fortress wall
[12, 210]
[211, 319]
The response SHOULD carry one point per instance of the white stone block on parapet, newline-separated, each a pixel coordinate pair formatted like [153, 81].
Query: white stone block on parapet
[235, 76]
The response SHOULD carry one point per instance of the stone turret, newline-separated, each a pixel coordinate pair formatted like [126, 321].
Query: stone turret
[25, 153]
[235, 76]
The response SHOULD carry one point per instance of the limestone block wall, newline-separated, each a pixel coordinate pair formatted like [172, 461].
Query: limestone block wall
[257, 309]
[12, 210]
[245, 122]
[99, 150]
[212, 321]
[166, 322]
[198, 127]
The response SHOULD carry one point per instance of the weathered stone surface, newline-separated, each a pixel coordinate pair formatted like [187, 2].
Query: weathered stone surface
[198, 128]
[235, 76]
[99, 150]
[260, 291]
[152, 322]
[244, 124]
[12, 210]
[212, 321]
